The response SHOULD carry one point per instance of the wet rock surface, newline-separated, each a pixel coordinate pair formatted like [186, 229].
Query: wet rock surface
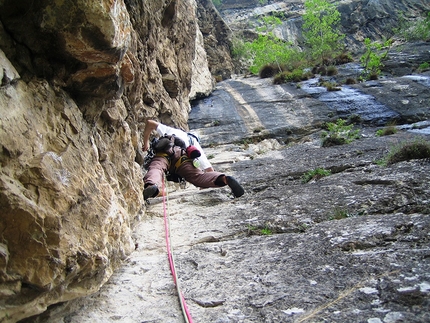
[407, 95]
[349, 247]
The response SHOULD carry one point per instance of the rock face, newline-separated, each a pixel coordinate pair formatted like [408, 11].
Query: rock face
[359, 18]
[349, 247]
[217, 37]
[78, 79]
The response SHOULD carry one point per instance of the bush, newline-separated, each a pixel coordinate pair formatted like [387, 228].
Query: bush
[317, 173]
[267, 49]
[331, 70]
[322, 70]
[339, 133]
[389, 130]
[417, 149]
[419, 29]
[424, 66]
[343, 58]
[323, 40]
[268, 71]
[350, 81]
[372, 59]
[331, 86]
[279, 78]
[339, 213]
[374, 76]
[295, 76]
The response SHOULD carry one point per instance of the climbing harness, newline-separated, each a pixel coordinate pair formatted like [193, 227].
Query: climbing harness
[180, 161]
[184, 308]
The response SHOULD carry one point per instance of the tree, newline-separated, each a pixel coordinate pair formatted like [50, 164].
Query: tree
[268, 24]
[372, 59]
[321, 23]
[267, 49]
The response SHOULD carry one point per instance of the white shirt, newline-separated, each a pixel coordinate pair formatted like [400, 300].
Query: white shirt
[162, 130]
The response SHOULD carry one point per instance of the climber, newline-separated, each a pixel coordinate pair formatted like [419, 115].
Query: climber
[176, 152]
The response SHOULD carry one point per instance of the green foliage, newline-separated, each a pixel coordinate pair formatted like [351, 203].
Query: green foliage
[296, 75]
[303, 227]
[331, 86]
[416, 149]
[239, 49]
[389, 130]
[332, 70]
[266, 231]
[321, 23]
[372, 59]
[339, 213]
[350, 80]
[217, 3]
[317, 173]
[267, 49]
[424, 66]
[259, 231]
[268, 23]
[324, 42]
[419, 29]
[339, 133]
[343, 58]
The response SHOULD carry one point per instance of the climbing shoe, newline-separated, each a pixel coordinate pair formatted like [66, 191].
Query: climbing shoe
[237, 190]
[150, 191]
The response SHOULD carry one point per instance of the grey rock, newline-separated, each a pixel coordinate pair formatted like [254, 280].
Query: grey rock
[349, 247]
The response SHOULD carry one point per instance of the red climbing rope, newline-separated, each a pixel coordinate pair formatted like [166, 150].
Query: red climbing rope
[185, 311]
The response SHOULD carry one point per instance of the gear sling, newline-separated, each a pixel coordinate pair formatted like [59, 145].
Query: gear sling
[163, 147]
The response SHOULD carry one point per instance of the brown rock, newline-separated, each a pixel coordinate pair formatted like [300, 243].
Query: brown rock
[77, 81]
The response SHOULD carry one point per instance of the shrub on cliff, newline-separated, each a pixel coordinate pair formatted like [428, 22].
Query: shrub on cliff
[296, 75]
[418, 29]
[417, 149]
[339, 133]
[389, 130]
[316, 173]
[372, 59]
[267, 49]
[268, 71]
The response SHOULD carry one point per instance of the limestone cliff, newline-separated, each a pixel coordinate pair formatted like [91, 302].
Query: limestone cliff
[78, 78]
[359, 18]
[217, 37]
